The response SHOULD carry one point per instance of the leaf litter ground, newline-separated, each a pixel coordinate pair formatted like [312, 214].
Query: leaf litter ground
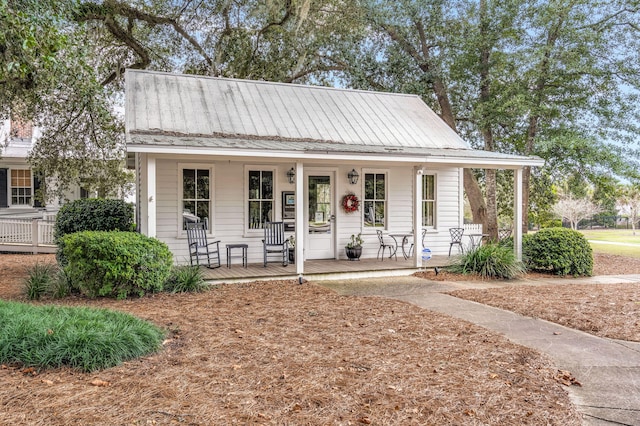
[283, 353]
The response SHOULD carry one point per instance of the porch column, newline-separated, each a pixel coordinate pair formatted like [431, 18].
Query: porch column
[299, 218]
[417, 218]
[148, 195]
[517, 212]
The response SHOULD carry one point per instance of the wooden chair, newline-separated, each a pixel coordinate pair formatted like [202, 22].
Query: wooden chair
[456, 239]
[199, 247]
[275, 244]
[393, 248]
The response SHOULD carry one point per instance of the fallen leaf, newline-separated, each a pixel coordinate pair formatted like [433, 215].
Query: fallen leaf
[30, 370]
[101, 383]
[365, 420]
[47, 382]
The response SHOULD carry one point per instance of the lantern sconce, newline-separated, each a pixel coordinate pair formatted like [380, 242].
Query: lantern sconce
[353, 176]
[291, 175]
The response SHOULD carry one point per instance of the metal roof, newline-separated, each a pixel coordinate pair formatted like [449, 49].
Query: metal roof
[186, 112]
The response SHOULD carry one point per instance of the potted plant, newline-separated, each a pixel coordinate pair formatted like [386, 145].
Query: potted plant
[292, 249]
[354, 247]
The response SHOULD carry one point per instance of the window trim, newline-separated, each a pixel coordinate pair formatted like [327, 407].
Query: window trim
[10, 187]
[195, 166]
[435, 203]
[373, 229]
[249, 232]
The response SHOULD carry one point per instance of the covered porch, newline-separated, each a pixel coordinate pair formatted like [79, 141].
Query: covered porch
[322, 269]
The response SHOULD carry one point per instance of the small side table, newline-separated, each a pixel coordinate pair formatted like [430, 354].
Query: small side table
[244, 248]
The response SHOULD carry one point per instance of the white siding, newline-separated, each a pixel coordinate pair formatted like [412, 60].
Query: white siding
[228, 222]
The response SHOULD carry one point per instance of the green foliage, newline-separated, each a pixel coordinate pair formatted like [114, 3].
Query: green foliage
[489, 261]
[83, 338]
[46, 280]
[115, 264]
[186, 279]
[356, 241]
[551, 223]
[39, 280]
[560, 251]
[94, 214]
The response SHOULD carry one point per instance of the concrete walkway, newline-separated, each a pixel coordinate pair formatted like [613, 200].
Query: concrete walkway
[609, 370]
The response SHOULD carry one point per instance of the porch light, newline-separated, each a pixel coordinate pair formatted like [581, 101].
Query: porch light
[291, 175]
[353, 176]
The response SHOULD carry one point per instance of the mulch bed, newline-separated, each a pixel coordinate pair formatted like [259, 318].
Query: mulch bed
[284, 353]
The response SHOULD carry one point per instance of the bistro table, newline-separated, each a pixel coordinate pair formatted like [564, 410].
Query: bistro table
[405, 239]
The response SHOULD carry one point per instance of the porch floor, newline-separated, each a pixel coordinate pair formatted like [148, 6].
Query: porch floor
[320, 269]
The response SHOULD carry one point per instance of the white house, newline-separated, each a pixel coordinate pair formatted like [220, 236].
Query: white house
[238, 153]
[18, 182]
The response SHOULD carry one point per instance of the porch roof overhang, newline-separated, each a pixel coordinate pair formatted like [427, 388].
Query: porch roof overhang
[162, 143]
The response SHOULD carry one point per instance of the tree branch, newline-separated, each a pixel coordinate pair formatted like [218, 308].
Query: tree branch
[107, 12]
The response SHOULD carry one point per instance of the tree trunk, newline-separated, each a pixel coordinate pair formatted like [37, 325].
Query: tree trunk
[490, 223]
[423, 59]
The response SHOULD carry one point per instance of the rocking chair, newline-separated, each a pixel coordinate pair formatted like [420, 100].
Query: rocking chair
[199, 247]
[275, 244]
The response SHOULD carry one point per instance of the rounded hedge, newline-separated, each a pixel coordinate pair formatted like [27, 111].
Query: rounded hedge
[115, 264]
[94, 214]
[561, 251]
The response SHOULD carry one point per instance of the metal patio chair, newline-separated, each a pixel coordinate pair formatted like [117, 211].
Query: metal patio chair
[393, 248]
[504, 233]
[199, 247]
[456, 239]
[424, 232]
[275, 244]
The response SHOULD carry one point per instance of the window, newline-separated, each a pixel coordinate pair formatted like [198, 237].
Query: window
[196, 196]
[21, 129]
[374, 199]
[428, 200]
[260, 202]
[21, 192]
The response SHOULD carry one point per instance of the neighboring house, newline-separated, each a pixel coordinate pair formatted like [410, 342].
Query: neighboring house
[238, 153]
[18, 182]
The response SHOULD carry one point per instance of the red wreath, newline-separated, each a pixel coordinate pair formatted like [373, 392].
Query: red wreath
[350, 203]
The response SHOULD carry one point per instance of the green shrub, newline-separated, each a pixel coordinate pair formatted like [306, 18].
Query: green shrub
[115, 264]
[39, 280]
[94, 214]
[186, 279]
[60, 287]
[489, 261]
[84, 338]
[551, 223]
[560, 251]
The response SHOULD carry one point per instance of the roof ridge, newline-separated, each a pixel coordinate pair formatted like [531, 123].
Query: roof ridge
[278, 83]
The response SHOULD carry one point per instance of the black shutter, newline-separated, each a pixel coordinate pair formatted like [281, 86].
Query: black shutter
[36, 194]
[4, 201]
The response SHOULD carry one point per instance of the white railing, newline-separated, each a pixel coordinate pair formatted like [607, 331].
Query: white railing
[472, 228]
[32, 235]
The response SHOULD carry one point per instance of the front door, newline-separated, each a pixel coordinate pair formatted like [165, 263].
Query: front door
[320, 217]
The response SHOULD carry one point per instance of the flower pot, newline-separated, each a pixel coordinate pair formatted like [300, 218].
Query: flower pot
[292, 255]
[353, 253]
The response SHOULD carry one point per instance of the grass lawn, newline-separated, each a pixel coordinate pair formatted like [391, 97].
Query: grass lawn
[612, 235]
[628, 251]
[600, 239]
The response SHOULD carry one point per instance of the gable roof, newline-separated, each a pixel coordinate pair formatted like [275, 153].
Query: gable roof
[172, 112]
